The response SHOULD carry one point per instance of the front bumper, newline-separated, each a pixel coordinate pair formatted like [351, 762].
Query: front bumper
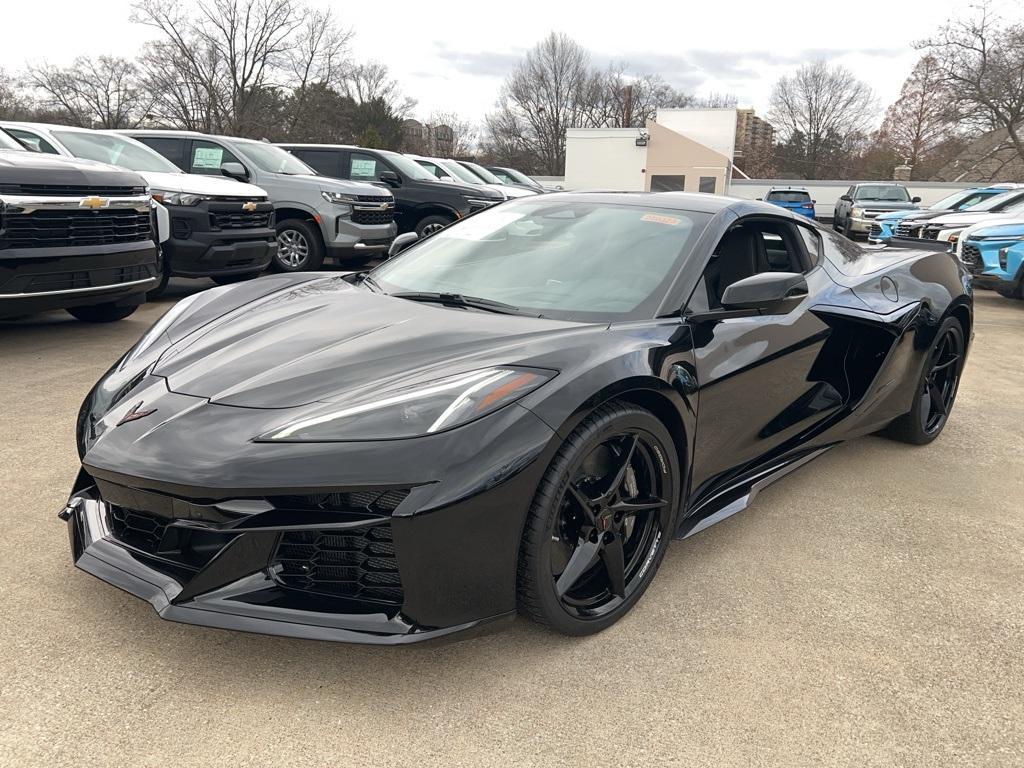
[219, 239]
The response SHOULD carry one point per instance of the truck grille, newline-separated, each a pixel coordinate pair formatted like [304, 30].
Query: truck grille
[55, 228]
[355, 563]
[360, 216]
[67, 190]
[876, 229]
[904, 229]
[971, 257]
[240, 220]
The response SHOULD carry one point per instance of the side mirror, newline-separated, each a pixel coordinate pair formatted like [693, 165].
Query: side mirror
[390, 178]
[814, 202]
[847, 198]
[766, 292]
[760, 198]
[402, 242]
[915, 199]
[235, 171]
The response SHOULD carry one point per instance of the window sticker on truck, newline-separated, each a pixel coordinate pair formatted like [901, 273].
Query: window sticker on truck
[207, 157]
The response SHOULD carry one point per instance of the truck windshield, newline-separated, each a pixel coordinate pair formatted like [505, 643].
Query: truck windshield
[483, 173]
[883, 192]
[273, 159]
[460, 173]
[8, 142]
[409, 167]
[115, 150]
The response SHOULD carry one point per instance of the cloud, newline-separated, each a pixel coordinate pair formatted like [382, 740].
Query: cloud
[480, 63]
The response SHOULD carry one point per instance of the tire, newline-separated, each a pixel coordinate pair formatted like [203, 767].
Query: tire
[232, 279]
[620, 454]
[924, 422]
[428, 225]
[299, 247]
[101, 313]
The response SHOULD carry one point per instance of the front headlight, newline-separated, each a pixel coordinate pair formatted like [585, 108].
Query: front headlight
[423, 409]
[856, 212]
[177, 198]
[337, 197]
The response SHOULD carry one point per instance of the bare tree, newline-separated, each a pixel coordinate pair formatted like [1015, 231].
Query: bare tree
[14, 102]
[320, 57]
[103, 92]
[371, 81]
[819, 112]
[981, 61]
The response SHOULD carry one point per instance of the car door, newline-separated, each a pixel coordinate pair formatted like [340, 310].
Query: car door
[756, 383]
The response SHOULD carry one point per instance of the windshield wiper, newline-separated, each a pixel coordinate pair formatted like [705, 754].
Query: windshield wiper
[458, 300]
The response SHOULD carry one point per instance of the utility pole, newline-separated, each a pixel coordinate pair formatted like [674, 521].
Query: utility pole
[627, 106]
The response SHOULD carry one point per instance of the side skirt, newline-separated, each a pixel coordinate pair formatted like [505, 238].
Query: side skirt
[738, 496]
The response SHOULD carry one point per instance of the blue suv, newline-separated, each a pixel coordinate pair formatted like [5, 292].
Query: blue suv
[795, 199]
[994, 255]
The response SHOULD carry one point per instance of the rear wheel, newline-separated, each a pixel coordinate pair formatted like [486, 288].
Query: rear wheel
[936, 388]
[600, 522]
[101, 313]
[298, 247]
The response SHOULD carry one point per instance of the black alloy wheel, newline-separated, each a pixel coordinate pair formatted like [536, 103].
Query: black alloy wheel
[937, 388]
[601, 521]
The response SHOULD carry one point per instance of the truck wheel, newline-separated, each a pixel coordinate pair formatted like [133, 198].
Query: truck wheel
[299, 248]
[101, 313]
[428, 225]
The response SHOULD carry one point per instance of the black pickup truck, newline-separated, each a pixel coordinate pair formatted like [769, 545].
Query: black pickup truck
[74, 235]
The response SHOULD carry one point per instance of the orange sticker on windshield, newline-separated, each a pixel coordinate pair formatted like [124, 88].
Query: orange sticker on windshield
[658, 218]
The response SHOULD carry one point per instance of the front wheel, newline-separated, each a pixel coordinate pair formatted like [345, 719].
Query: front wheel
[936, 388]
[428, 225]
[600, 522]
[298, 247]
[101, 313]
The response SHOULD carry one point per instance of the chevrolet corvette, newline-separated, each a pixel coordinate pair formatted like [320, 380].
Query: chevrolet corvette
[516, 414]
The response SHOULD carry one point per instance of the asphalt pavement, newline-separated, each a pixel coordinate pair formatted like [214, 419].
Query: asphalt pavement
[867, 610]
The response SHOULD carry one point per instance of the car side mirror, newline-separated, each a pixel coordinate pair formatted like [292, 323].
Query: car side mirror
[767, 292]
[390, 178]
[847, 198]
[915, 199]
[402, 242]
[760, 198]
[235, 171]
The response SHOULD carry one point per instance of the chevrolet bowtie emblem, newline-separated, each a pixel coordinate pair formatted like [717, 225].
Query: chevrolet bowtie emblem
[249, 206]
[94, 203]
[134, 414]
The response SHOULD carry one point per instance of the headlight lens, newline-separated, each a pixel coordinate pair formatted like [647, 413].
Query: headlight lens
[177, 198]
[856, 212]
[337, 197]
[482, 202]
[423, 409]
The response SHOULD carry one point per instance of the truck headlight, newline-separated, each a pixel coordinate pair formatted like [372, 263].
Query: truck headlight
[177, 198]
[422, 409]
[856, 212]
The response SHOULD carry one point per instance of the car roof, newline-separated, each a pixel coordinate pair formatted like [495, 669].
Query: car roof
[699, 202]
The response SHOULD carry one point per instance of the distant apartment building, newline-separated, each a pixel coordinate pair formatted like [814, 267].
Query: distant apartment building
[755, 138]
[428, 139]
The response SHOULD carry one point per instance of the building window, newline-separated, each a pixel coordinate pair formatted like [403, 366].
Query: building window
[707, 184]
[667, 183]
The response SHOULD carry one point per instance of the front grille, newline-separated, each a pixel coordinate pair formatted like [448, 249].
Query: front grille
[929, 234]
[97, 278]
[904, 229]
[379, 199]
[240, 220]
[360, 216]
[876, 229]
[358, 563]
[371, 502]
[54, 228]
[141, 530]
[67, 190]
[971, 257]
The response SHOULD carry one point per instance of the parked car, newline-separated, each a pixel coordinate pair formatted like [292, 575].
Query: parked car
[510, 189]
[994, 255]
[885, 225]
[796, 199]
[486, 424]
[74, 234]
[948, 226]
[316, 217]
[512, 176]
[856, 210]
[218, 227]
[452, 170]
[423, 204]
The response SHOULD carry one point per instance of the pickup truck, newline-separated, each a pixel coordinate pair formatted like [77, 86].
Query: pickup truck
[74, 234]
[856, 210]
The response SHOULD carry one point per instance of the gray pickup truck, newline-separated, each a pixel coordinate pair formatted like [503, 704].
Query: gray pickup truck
[316, 217]
[856, 210]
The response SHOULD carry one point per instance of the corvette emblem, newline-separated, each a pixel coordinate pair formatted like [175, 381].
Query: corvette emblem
[134, 414]
[250, 206]
[94, 203]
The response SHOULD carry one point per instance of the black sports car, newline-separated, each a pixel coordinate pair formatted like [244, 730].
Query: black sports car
[518, 412]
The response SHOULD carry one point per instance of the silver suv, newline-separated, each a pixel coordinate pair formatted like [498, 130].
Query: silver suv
[317, 217]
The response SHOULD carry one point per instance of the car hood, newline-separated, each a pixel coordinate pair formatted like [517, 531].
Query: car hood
[901, 215]
[869, 205]
[326, 339]
[198, 184]
[37, 168]
[1009, 229]
[965, 219]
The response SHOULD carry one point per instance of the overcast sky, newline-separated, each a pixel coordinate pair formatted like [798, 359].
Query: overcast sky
[455, 55]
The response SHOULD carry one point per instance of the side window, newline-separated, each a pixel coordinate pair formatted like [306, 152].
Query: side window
[812, 241]
[172, 149]
[363, 167]
[323, 161]
[34, 140]
[208, 157]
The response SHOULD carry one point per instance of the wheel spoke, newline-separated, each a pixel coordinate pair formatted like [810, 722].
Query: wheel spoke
[582, 559]
[938, 406]
[626, 459]
[583, 501]
[638, 505]
[614, 560]
[945, 365]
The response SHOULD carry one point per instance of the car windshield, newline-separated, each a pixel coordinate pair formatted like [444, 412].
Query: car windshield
[519, 176]
[9, 142]
[273, 159]
[409, 167]
[584, 261]
[115, 150]
[999, 202]
[483, 173]
[888, 193]
[459, 172]
[788, 196]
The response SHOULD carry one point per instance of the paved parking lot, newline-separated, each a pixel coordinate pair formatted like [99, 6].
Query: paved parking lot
[868, 610]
